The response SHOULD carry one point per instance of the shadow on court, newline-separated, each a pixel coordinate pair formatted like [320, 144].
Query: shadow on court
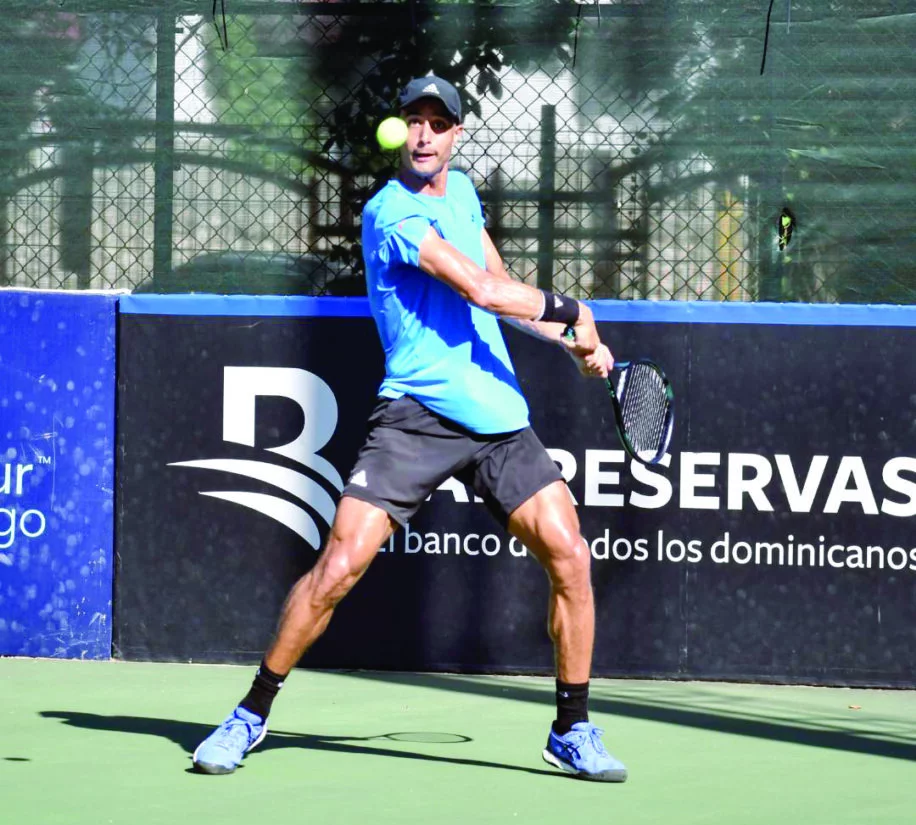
[876, 742]
[188, 735]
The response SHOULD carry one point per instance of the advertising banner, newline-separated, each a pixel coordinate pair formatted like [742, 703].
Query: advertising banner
[57, 385]
[773, 543]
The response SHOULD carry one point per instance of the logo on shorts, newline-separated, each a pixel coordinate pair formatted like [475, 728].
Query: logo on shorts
[359, 479]
[241, 387]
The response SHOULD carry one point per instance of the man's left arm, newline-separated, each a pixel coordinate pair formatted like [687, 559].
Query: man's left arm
[545, 330]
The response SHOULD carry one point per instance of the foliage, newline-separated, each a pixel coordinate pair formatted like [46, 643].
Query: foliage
[254, 85]
[467, 42]
[823, 129]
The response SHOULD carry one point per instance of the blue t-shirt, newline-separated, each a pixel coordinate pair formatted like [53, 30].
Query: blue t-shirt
[446, 353]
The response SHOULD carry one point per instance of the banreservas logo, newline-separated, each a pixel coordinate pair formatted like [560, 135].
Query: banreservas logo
[241, 388]
[704, 480]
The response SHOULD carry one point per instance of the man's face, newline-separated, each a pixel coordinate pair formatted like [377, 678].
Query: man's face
[431, 134]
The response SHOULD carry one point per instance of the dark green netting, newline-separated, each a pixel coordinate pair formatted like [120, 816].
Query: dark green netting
[630, 150]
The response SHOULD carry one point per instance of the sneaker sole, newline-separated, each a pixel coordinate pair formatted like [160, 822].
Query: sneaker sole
[603, 776]
[219, 770]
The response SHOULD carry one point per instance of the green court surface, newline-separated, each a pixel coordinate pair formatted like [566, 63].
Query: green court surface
[91, 743]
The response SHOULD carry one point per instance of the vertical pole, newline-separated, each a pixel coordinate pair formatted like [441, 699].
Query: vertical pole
[497, 198]
[346, 204]
[75, 212]
[5, 271]
[770, 278]
[547, 196]
[313, 214]
[164, 164]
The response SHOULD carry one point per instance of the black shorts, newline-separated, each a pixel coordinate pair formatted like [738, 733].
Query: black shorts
[410, 451]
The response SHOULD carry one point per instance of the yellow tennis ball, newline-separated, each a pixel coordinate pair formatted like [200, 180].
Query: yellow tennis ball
[391, 133]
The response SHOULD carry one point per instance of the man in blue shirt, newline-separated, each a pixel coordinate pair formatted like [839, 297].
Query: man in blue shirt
[449, 405]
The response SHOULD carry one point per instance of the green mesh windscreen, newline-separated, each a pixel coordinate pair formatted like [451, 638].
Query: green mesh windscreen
[664, 149]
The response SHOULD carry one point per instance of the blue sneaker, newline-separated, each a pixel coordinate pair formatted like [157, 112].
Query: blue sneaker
[581, 753]
[222, 750]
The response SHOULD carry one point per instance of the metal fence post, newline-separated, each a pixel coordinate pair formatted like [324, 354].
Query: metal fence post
[496, 202]
[547, 196]
[770, 260]
[77, 165]
[5, 269]
[164, 163]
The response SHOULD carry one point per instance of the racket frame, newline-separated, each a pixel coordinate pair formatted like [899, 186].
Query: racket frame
[667, 423]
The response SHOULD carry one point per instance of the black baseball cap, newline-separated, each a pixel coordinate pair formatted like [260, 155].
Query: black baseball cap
[432, 86]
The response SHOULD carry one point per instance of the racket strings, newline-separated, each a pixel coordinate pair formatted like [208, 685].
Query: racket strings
[643, 405]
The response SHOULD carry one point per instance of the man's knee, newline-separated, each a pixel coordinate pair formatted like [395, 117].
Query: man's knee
[569, 564]
[335, 575]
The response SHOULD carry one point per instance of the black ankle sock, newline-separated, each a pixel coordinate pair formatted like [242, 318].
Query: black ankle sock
[572, 706]
[264, 688]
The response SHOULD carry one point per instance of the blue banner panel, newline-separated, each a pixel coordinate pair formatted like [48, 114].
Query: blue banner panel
[57, 391]
[773, 543]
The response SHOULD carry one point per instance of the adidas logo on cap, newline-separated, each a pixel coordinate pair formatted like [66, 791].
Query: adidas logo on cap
[432, 86]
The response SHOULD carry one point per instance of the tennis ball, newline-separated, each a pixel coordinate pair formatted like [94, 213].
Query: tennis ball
[391, 133]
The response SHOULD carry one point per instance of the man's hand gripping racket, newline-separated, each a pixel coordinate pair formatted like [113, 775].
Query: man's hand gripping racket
[641, 397]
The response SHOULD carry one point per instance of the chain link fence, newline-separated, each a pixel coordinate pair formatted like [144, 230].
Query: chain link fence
[621, 150]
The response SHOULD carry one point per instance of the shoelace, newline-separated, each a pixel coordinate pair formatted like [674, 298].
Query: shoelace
[579, 737]
[236, 732]
[596, 734]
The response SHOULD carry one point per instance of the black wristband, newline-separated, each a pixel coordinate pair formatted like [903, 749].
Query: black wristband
[559, 309]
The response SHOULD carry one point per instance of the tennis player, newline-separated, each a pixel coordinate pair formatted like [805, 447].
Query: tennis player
[449, 405]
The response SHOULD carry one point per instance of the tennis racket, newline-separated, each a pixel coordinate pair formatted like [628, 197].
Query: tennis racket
[643, 403]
